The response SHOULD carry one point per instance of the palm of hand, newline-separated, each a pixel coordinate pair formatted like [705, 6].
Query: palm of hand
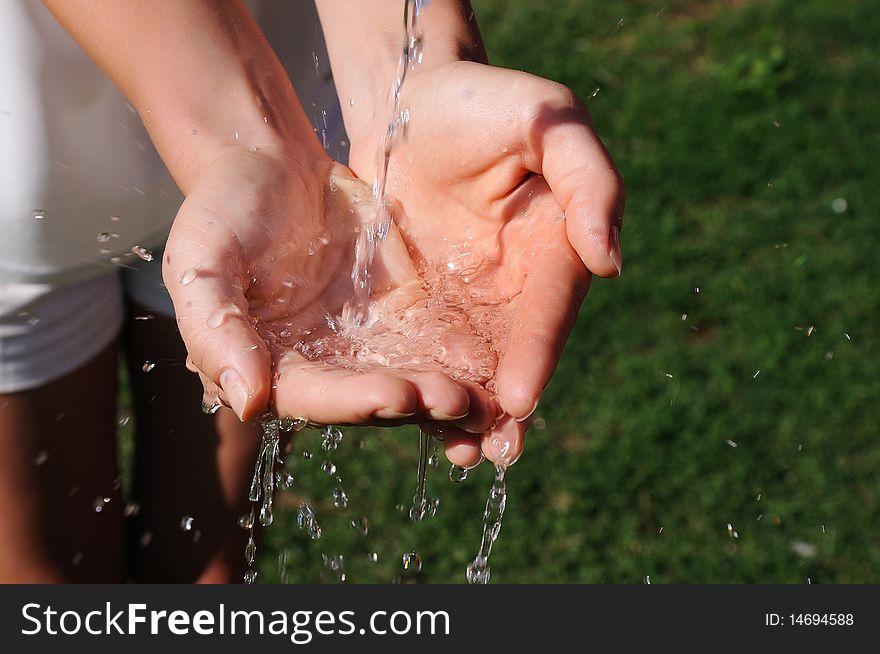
[474, 211]
[259, 265]
[483, 271]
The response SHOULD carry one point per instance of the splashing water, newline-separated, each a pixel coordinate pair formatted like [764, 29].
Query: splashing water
[334, 566]
[478, 570]
[306, 519]
[265, 480]
[456, 322]
[412, 562]
[419, 508]
[377, 230]
[457, 474]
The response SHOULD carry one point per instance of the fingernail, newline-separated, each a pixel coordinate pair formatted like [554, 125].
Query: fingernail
[482, 458]
[236, 391]
[438, 415]
[529, 414]
[614, 252]
[391, 414]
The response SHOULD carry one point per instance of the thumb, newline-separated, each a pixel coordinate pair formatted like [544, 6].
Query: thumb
[205, 278]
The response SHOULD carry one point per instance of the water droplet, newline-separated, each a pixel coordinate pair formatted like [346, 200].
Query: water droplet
[412, 562]
[306, 519]
[246, 521]
[340, 497]
[457, 474]
[418, 510]
[99, 504]
[220, 315]
[250, 550]
[187, 276]
[250, 577]
[186, 523]
[361, 525]
[210, 408]
[283, 480]
[41, 458]
[114, 219]
[292, 424]
[307, 455]
[253, 148]
[478, 571]
[330, 438]
[142, 252]
[335, 564]
[839, 205]
[131, 509]
[372, 557]
[329, 467]
[148, 366]
[38, 214]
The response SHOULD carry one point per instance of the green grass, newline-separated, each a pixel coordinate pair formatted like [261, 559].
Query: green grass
[735, 125]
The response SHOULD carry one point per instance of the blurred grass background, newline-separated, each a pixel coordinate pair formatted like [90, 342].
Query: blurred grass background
[730, 376]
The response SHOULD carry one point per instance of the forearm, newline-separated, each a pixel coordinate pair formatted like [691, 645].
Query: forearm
[200, 73]
[365, 40]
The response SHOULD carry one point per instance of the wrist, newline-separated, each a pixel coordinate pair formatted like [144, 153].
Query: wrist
[251, 120]
[365, 67]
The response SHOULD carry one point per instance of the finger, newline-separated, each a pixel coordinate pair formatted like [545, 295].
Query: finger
[461, 448]
[206, 286]
[545, 314]
[327, 395]
[504, 444]
[439, 397]
[563, 147]
[483, 409]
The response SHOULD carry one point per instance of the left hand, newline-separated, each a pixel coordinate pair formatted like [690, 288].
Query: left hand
[500, 171]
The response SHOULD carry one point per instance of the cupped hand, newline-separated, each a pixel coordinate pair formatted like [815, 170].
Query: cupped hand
[502, 182]
[259, 263]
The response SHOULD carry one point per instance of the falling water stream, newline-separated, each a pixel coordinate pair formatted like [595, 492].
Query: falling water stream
[377, 230]
[478, 569]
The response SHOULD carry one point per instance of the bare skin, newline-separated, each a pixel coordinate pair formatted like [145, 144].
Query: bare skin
[58, 461]
[57, 458]
[492, 161]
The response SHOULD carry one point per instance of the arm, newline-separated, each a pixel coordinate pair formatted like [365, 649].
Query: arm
[200, 73]
[226, 121]
[365, 65]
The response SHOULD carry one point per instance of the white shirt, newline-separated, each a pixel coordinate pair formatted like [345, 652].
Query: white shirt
[80, 182]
